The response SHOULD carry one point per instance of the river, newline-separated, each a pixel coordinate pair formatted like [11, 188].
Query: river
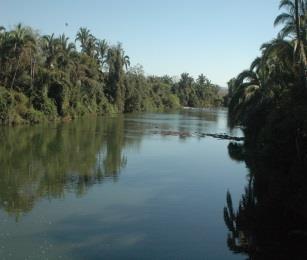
[138, 186]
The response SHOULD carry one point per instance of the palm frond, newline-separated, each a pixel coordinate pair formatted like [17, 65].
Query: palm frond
[283, 18]
[287, 4]
[255, 64]
[245, 75]
[287, 31]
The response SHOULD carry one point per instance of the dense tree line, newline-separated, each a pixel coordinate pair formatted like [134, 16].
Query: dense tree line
[50, 77]
[199, 93]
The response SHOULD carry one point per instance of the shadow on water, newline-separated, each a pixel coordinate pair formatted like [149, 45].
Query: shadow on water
[271, 219]
[49, 161]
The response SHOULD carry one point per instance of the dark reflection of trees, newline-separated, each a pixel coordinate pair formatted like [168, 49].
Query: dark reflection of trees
[271, 219]
[236, 151]
[47, 161]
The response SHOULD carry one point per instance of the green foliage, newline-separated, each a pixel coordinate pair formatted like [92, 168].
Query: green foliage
[199, 93]
[5, 104]
[46, 77]
[274, 86]
[15, 108]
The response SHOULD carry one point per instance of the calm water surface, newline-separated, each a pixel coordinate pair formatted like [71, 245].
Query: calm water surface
[121, 187]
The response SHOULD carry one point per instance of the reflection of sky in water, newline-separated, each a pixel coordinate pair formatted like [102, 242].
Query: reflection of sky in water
[167, 202]
[192, 120]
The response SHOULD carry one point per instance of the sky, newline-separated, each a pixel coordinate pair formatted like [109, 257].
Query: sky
[216, 38]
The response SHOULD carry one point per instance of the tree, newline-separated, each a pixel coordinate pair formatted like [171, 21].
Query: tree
[294, 21]
[46, 76]
[50, 49]
[265, 81]
[23, 45]
[115, 85]
[102, 49]
[87, 41]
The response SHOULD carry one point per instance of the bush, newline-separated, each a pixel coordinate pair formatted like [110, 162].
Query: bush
[5, 102]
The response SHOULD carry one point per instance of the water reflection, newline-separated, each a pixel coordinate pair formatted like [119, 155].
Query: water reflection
[160, 195]
[48, 161]
[271, 219]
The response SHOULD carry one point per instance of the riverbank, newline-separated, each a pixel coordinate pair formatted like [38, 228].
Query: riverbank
[16, 109]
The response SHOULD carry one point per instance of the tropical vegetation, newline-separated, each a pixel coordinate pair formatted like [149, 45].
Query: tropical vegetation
[48, 77]
[269, 101]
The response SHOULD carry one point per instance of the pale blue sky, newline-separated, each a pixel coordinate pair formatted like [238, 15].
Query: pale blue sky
[217, 38]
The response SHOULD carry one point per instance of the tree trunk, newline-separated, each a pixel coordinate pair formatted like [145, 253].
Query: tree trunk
[300, 40]
[303, 54]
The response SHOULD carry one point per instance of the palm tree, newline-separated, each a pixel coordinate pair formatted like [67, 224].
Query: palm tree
[277, 62]
[125, 60]
[22, 40]
[51, 49]
[116, 60]
[87, 41]
[246, 86]
[294, 21]
[267, 76]
[185, 80]
[65, 48]
[83, 35]
[102, 49]
[202, 80]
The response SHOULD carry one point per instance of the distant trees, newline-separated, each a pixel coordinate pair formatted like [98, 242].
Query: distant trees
[46, 77]
[199, 93]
